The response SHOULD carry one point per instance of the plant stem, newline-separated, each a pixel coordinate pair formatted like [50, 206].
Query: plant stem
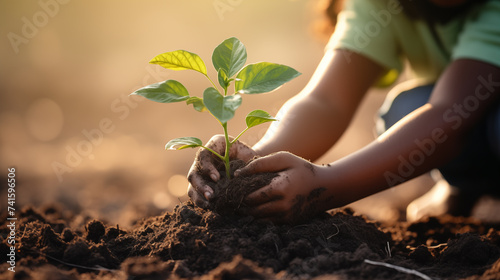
[239, 135]
[226, 154]
[213, 152]
[226, 136]
[213, 84]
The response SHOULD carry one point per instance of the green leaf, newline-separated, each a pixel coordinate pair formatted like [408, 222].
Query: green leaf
[197, 103]
[263, 77]
[257, 117]
[168, 91]
[230, 55]
[223, 79]
[180, 60]
[221, 107]
[183, 143]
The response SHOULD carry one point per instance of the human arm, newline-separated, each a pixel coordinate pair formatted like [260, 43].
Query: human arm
[311, 122]
[321, 111]
[425, 139]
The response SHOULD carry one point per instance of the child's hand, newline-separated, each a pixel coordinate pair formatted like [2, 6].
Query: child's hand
[203, 168]
[293, 196]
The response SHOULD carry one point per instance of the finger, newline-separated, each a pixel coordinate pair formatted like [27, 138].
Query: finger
[273, 191]
[198, 199]
[262, 195]
[205, 166]
[217, 143]
[241, 151]
[272, 210]
[199, 184]
[270, 163]
[198, 189]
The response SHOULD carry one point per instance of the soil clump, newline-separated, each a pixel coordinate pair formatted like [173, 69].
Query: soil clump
[194, 243]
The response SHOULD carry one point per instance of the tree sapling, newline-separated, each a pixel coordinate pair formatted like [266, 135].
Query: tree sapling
[229, 60]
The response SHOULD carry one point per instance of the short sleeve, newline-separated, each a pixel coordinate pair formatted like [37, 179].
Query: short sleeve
[365, 27]
[480, 38]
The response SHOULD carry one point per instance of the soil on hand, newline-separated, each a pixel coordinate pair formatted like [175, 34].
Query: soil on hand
[193, 243]
[229, 193]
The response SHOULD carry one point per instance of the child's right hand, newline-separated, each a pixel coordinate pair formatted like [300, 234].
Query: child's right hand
[203, 168]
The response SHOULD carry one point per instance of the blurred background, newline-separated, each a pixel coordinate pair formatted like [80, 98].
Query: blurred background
[76, 138]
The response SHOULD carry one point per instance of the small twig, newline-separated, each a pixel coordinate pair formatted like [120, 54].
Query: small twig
[400, 269]
[24, 232]
[388, 250]
[338, 230]
[429, 247]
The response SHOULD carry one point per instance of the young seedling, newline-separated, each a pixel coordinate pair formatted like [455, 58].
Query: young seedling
[229, 60]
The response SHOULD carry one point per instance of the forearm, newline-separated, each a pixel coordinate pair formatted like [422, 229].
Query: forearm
[314, 120]
[307, 127]
[409, 149]
[425, 139]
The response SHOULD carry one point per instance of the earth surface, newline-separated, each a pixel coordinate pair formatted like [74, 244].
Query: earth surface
[193, 243]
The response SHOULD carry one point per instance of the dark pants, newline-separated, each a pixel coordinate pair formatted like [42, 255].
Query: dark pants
[477, 167]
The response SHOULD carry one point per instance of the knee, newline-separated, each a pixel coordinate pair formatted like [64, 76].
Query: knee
[398, 104]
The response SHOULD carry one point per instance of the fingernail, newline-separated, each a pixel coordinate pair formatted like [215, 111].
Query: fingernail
[214, 177]
[208, 195]
[237, 172]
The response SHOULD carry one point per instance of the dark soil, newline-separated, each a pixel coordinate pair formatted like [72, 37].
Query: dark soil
[223, 243]
[190, 242]
[229, 193]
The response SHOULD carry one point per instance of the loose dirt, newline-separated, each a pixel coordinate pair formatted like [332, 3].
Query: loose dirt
[193, 243]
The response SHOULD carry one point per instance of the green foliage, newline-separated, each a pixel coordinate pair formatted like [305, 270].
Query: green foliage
[263, 77]
[230, 56]
[180, 60]
[164, 92]
[221, 107]
[183, 143]
[197, 102]
[257, 117]
[228, 59]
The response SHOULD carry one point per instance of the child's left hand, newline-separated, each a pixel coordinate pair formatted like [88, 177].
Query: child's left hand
[293, 196]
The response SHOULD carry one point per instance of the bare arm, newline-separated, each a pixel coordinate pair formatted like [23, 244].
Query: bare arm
[425, 139]
[311, 122]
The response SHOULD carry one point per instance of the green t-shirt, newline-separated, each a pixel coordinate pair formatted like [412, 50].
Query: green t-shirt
[380, 30]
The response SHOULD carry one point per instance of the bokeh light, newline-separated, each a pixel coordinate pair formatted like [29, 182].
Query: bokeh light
[177, 185]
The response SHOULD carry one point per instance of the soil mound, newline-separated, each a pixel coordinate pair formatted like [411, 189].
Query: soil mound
[193, 243]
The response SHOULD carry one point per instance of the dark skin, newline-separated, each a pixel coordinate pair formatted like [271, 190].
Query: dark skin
[364, 172]
[315, 104]
[458, 102]
[313, 121]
